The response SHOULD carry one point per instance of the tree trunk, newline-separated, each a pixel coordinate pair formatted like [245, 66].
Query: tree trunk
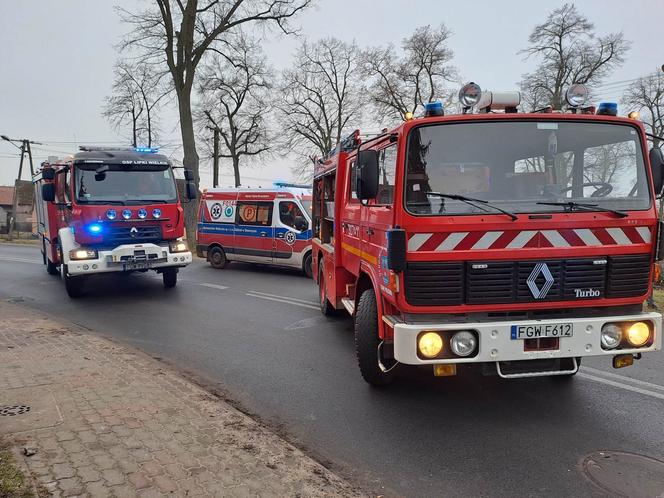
[190, 159]
[236, 170]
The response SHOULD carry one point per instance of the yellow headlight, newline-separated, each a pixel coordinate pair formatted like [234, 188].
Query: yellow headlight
[430, 344]
[638, 334]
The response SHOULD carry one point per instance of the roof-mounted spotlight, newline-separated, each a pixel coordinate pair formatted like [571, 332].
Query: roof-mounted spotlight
[576, 95]
[469, 95]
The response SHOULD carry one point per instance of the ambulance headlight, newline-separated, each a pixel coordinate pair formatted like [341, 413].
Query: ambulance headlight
[470, 94]
[178, 246]
[82, 253]
[463, 343]
[142, 213]
[576, 95]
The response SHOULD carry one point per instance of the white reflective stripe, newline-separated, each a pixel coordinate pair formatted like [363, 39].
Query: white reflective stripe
[644, 232]
[486, 240]
[587, 237]
[452, 241]
[522, 239]
[619, 236]
[555, 238]
[417, 240]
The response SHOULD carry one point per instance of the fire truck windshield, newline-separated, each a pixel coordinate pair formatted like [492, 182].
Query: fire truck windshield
[124, 185]
[520, 166]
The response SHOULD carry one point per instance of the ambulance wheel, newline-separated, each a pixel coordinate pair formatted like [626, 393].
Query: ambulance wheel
[307, 265]
[217, 258]
[74, 285]
[170, 276]
[326, 307]
[376, 371]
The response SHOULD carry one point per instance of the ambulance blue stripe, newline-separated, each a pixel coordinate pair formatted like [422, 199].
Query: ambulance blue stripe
[247, 230]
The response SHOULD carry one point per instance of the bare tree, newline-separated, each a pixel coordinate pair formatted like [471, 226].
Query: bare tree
[646, 95]
[403, 84]
[234, 97]
[568, 52]
[136, 94]
[322, 94]
[178, 34]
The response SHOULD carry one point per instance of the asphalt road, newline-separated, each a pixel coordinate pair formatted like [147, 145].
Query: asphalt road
[257, 334]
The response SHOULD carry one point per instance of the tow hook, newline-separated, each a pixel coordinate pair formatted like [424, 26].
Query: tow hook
[625, 360]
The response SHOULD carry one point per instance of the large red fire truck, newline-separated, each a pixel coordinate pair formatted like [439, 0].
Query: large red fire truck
[517, 242]
[111, 210]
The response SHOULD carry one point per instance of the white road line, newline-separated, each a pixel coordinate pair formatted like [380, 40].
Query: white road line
[620, 385]
[623, 378]
[213, 286]
[285, 297]
[283, 301]
[19, 260]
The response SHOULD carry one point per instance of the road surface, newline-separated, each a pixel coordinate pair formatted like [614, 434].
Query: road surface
[256, 334]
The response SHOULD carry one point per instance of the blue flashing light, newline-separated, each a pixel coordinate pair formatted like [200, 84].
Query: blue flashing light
[126, 214]
[156, 213]
[142, 213]
[111, 214]
[608, 109]
[433, 109]
[147, 150]
[95, 228]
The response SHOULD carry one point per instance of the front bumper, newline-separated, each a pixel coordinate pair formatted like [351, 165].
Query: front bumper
[496, 344]
[129, 257]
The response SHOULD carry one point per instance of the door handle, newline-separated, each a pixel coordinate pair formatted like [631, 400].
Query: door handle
[263, 234]
[370, 231]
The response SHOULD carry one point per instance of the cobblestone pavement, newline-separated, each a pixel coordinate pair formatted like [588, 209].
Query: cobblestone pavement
[106, 420]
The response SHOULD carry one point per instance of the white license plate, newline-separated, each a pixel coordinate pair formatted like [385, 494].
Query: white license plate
[137, 265]
[536, 331]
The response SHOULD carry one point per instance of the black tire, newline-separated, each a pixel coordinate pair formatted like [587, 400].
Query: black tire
[367, 342]
[74, 285]
[326, 307]
[217, 258]
[307, 265]
[170, 276]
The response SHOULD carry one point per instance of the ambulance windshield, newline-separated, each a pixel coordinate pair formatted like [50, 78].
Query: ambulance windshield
[125, 185]
[517, 165]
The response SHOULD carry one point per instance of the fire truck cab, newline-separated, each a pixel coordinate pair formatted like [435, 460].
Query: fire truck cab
[111, 210]
[517, 242]
[256, 225]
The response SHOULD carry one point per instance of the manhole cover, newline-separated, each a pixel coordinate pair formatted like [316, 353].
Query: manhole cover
[11, 411]
[625, 474]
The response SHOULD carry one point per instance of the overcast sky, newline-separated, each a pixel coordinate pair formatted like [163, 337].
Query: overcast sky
[57, 59]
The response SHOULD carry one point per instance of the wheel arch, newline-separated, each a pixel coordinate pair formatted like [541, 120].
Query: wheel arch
[367, 280]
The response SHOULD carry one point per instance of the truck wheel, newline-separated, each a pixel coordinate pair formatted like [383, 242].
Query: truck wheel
[217, 258]
[306, 265]
[325, 305]
[375, 371]
[73, 284]
[170, 276]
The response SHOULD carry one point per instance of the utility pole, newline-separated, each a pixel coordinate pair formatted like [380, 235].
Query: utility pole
[25, 149]
[215, 151]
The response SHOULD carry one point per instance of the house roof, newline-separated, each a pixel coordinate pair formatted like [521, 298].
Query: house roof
[6, 196]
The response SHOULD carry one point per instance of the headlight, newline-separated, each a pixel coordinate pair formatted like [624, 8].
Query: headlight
[142, 213]
[156, 213]
[78, 254]
[638, 334]
[463, 343]
[178, 246]
[430, 344]
[126, 214]
[611, 336]
[111, 214]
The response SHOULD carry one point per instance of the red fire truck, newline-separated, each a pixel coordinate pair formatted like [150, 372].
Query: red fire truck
[111, 210]
[518, 243]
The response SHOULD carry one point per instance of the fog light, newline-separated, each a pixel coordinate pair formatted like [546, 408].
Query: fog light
[638, 334]
[94, 267]
[86, 267]
[610, 336]
[142, 213]
[430, 344]
[463, 343]
[444, 370]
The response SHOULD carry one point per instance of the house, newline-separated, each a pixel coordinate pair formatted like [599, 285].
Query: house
[24, 211]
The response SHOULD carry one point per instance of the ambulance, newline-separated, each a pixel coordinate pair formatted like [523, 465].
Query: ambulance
[256, 225]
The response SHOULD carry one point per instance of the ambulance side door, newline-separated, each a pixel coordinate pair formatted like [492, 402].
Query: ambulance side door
[254, 232]
[291, 233]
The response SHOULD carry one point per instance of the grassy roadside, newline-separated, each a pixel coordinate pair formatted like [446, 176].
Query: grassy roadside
[658, 296]
[13, 483]
[19, 238]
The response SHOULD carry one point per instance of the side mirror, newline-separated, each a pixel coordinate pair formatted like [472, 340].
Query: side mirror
[191, 190]
[367, 174]
[48, 192]
[657, 165]
[188, 175]
[48, 173]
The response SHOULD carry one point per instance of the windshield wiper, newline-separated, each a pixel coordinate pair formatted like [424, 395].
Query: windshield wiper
[471, 200]
[582, 206]
[147, 201]
[99, 201]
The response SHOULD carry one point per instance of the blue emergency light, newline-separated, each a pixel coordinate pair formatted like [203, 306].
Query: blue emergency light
[608, 109]
[94, 228]
[147, 150]
[433, 109]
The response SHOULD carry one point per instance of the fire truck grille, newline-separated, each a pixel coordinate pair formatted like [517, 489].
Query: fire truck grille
[498, 282]
[127, 234]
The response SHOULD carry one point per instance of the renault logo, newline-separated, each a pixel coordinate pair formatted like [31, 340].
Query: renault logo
[133, 232]
[540, 269]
